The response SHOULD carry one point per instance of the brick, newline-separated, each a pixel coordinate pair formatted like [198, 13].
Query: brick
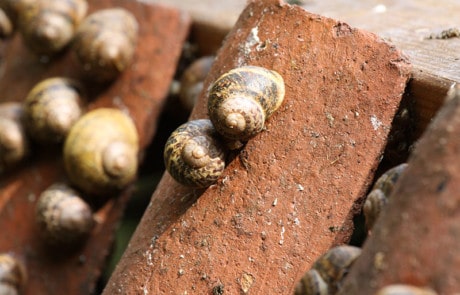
[141, 92]
[416, 238]
[290, 194]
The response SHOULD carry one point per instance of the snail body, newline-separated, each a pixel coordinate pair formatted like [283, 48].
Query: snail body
[63, 216]
[401, 289]
[328, 271]
[194, 155]
[242, 99]
[13, 276]
[105, 43]
[378, 197]
[100, 151]
[14, 145]
[51, 108]
[50, 25]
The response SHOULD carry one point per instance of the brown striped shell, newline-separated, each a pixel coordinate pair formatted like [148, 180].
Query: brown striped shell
[378, 196]
[191, 83]
[401, 289]
[193, 154]
[63, 216]
[100, 152]
[50, 25]
[51, 108]
[328, 271]
[13, 276]
[105, 43]
[242, 99]
[14, 145]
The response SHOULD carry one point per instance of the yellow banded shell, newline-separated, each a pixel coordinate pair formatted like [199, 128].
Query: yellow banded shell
[241, 100]
[63, 216]
[105, 43]
[51, 24]
[194, 155]
[14, 145]
[51, 108]
[101, 150]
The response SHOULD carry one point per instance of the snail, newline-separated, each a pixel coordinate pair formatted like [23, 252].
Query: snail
[105, 43]
[401, 289]
[378, 196]
[193, 154]
[13, 275]
[191, 82]
[14, 145]
[328, 271]
[6, 25]
[242, 99]
[63, 216]
[100, 151]
[50, 25]
[51, 108]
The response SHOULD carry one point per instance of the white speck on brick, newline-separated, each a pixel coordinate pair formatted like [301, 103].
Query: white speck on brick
[376, 123]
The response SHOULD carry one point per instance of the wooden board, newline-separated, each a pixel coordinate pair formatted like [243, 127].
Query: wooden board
[140, 92]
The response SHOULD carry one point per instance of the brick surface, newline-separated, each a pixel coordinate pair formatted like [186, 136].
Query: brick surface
[415, 241]
[140, 92]
[290, 194]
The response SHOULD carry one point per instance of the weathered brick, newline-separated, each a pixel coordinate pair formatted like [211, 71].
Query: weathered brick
[140, 92]
[290, 194]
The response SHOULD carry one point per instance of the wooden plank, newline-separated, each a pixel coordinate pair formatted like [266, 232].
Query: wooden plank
[140, 92]
[290, 193]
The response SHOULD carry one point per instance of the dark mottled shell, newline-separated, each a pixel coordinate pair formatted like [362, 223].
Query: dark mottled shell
[13, 275]
[63, 216]
[401, 289]
[105, 43]
[241, 100]
[14, 145]
[193, 154]
[378, 196]
[311, 284]
[51, 108]
[50, 25]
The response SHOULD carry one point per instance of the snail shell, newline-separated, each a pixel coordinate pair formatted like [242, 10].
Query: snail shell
[13, 275]
[14, 145]
[51, 108]
[100, 151]
[311, 284]
[378, 196]
[63, 216]
[51, 24]
[191, 83]
[328, 271]
[401, 289]
[105, 43]
[241, 100]
[6, 25]
[194, 155]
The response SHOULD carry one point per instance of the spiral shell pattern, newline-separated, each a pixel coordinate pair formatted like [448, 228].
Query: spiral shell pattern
[101, 150]
[194, 155]
[241, 100]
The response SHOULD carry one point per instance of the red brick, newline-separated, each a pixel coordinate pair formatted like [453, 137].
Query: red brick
[415, 241]
[140, 91]
[289, 195]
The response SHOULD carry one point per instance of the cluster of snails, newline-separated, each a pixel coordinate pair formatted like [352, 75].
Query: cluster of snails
[378, 196]
[13, 275]
[328, 271]
[239, 103]
[103, 43]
